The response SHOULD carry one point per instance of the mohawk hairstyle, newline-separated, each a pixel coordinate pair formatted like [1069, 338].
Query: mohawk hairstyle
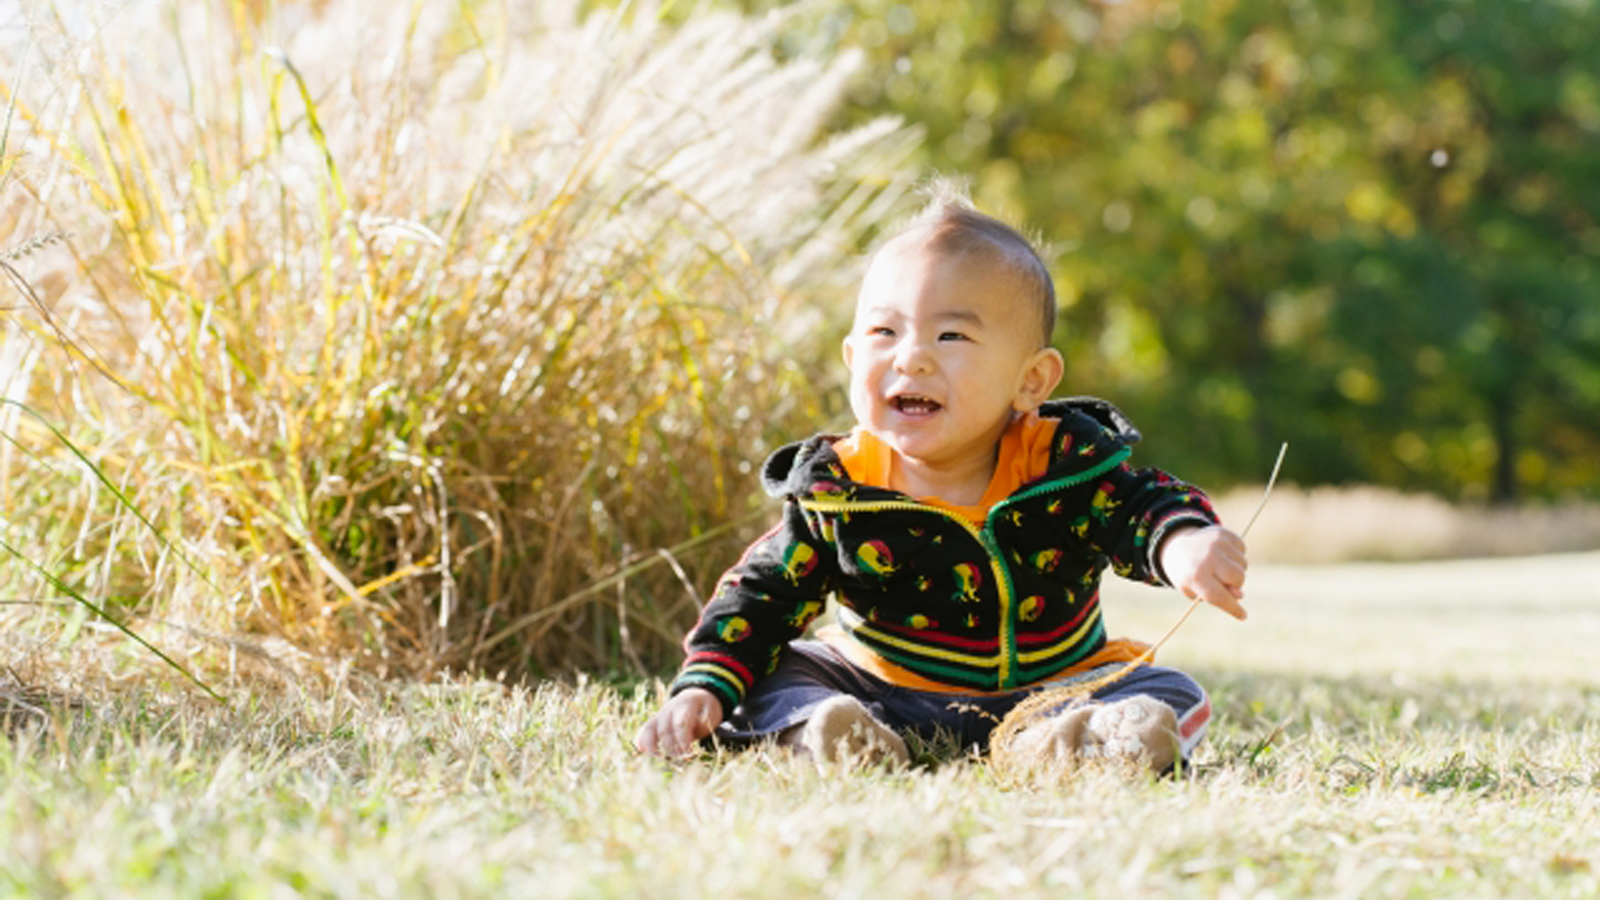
[949, 223]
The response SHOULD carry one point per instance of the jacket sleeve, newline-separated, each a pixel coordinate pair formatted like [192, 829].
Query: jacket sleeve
[760, 605]
[1131, 511]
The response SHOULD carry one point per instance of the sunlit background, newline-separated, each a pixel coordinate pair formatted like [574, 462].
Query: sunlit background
[464, 350]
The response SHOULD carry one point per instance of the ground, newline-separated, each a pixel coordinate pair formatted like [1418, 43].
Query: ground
[1417, 730]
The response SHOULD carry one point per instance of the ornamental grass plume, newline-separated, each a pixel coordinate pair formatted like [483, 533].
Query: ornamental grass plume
[425, 335]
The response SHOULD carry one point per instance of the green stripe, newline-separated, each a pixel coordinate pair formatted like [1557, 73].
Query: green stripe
[1088, 474]
[1008, 629]
[706, 679]
[921, 666]
[1084, 649]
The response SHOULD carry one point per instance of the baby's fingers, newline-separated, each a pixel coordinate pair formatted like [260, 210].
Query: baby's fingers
[662, 736]
[689, 725]
[1230, 574]
[645, 741]
[678, 733]
[1231, 540]
[1211, 589]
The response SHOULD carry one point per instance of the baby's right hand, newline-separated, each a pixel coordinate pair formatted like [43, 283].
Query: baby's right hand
[689, 716]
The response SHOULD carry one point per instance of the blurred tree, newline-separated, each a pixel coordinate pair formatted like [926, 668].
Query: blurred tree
[1493, 147]
[1371, 229]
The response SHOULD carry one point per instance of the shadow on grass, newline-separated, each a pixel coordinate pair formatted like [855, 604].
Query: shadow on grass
[1361, 704]
[1379, 732]
[1426, 736]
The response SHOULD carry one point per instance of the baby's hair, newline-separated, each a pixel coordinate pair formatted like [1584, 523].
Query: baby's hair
[953, 225]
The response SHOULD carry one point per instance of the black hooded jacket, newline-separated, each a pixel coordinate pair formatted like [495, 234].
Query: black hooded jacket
[987, 608]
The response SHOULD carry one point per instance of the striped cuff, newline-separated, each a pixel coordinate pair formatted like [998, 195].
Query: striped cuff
[1181, 517]
[719, 676]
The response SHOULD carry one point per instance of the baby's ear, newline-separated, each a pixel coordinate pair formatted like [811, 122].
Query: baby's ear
[1039, 380]
[848, 350]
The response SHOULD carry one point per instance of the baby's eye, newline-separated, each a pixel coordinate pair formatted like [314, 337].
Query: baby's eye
[952, 336]
[880, 330]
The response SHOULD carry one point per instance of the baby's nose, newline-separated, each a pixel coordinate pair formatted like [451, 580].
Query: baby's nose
[912, 357]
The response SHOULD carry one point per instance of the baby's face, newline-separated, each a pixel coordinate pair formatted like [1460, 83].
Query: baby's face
[939, 353]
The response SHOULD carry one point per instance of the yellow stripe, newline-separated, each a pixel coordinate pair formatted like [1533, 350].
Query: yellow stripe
[1001, 581]
[852, 622]
[846, 506]
[726, 673]
[1066, 643]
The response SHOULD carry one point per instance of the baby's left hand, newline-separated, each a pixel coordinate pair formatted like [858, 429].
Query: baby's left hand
[1207, 564]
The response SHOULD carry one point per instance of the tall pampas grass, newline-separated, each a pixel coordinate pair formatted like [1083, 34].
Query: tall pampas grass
[426, 336]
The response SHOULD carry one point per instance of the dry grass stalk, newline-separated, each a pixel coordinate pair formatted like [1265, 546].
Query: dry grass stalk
[414, 342]
[1348, 524]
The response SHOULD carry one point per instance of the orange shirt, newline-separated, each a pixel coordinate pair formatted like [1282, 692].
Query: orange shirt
[1024, 455]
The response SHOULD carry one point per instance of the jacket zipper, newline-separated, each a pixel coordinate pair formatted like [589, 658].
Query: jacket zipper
[1008, 629]
[985, 538]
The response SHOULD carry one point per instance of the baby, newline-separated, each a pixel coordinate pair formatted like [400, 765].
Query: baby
[962, 528]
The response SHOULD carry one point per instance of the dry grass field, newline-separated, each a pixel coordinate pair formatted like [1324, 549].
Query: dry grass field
[1496, 623]
[1398, 730]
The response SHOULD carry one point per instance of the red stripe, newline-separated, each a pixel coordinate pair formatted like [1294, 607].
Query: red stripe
[923, 637]
[947, 640]
[1057, 634]
[728, 661]
[1195, 720]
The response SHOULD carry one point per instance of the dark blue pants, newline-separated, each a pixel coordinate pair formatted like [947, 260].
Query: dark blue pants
[811, 672]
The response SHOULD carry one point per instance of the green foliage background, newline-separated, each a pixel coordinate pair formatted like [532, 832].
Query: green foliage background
[1370, 229]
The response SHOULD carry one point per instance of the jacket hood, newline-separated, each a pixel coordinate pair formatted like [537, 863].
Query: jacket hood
[795, 469]
[1102, 412]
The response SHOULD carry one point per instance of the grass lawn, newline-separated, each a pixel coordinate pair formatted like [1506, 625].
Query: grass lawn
[1383, 731]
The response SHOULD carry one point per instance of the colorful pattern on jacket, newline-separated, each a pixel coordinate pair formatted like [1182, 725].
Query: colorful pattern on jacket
[987, 608]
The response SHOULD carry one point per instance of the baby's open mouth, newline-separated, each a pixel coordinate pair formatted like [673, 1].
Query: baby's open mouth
[914, 404]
